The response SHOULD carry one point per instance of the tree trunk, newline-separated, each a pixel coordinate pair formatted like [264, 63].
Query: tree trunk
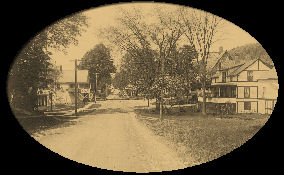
[32, 100]
[204, 99]
[148, 102]
[157, 104]
[161, 107]
[203, 84]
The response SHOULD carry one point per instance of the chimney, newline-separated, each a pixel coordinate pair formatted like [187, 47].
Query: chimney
[60, 68]
[220, 49]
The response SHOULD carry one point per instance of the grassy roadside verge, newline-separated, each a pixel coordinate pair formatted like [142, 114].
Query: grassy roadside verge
[37, 123]
[40, 123]
[199, 139]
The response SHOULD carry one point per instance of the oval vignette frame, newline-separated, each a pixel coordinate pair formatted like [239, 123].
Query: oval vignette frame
[218, 119]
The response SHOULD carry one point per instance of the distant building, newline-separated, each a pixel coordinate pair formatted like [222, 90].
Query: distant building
[65, 92]
[44, 100]
[130, 90]
[248, 87]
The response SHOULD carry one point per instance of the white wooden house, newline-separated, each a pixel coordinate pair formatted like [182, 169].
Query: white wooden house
[250, 87]
[65, 92]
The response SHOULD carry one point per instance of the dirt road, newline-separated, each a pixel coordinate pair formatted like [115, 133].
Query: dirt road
[112, 140]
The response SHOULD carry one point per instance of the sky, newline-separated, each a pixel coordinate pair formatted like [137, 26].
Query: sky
[231, 36]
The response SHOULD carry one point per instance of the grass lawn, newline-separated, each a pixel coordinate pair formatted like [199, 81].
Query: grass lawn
[39, 122]
[198, 138]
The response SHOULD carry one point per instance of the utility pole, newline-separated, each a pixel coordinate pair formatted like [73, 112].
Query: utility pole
[76, 88]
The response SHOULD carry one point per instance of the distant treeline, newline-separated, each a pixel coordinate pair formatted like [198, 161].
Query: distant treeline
[250, 51]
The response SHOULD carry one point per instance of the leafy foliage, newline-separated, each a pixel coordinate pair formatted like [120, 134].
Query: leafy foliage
[32, 69]
[249, 52]
[121, 80]
[64, 32]
[98, 60]
[153, 60]
[27, 75]
[141, 68]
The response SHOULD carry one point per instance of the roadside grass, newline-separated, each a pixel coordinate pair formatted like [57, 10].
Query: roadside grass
[39, 122]
[34, 124]
[199, 139]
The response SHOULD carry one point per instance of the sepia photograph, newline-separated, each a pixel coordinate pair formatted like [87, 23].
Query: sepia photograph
[142, 87]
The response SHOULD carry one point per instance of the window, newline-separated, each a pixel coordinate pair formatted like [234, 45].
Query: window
[212, 90]
[215, 92]
[247, 105]
[228, 92]
[250, 75]
[246, 92]
[222, 91]
[233, 92]
[223, 77]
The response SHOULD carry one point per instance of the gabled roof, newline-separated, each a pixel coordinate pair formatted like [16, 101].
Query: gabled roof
[229, 70]
[242, 67]
[267, 63]
[246, 65]
[236, 69]
[227, 61]
[68, 76]
[213, 58]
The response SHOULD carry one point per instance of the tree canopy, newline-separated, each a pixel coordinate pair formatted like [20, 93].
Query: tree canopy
[250, 51]
[32, 68]
[98, 60]
[141, 69]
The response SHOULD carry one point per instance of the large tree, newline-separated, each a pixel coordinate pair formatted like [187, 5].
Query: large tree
[134, 35]
[200, 30]
[183, 70]
[98, 61]
[32, 68]
[166, 34]
[139, 67]
[121, 80]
